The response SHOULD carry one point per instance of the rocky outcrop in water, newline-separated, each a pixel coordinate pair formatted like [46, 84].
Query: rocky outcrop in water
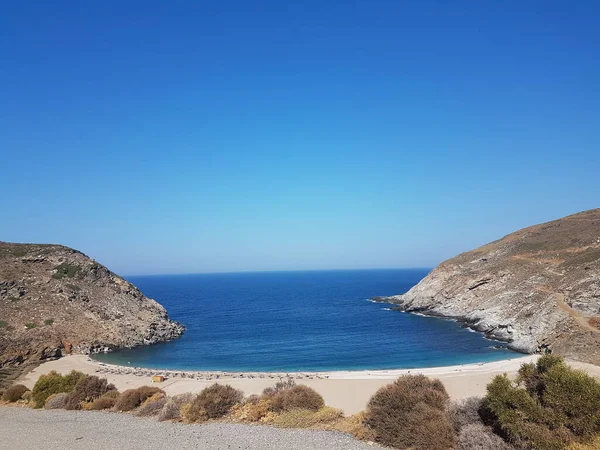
[55, 300]
[537, 288]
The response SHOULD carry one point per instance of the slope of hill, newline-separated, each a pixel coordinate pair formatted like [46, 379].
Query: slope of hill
[536, 288]
[55, 300]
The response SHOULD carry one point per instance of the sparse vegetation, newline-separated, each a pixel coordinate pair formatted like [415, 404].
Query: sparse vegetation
[411, 413]
[212, 403]
[14, 393]
[48, 322]
[30, 325]
[65, 270]
[3, 324]
[550, 406]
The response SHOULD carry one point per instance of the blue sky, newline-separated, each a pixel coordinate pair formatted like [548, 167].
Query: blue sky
[178, 137]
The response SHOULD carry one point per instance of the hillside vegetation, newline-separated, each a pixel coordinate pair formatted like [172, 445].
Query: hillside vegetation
[55, 300]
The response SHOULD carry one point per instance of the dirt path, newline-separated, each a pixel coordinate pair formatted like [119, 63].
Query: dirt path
[562, 304]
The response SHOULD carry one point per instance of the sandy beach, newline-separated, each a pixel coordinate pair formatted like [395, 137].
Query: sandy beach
[346, 390]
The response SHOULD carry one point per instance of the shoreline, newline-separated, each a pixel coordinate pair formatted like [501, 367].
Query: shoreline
[348, 390]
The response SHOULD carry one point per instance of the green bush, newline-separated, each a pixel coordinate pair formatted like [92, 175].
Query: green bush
[549, 406]
[48, 321]
[3, 324]
[53, 383]
[14, 393]
[30, 325]
[411, 413]
[65, 270]
[295, 397]
[213, 402]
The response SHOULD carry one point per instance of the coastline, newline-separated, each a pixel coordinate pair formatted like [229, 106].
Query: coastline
[347, 390]
[466, 322]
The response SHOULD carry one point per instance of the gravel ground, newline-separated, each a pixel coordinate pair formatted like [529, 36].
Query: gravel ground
[24, 428]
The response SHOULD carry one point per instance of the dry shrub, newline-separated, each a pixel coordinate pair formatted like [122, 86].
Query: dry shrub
[279, 386]
[475, 436]
[153, 405]
[172, 409]
[57, 401]
[148, 391]
[254, 409]
[26, 396]
[128, 400]
[88, 389]
[86, 406]
[132, 398]
[355, 426]
[53, 383]
[306, 418]
[411, 413]
[107, 401]
[296, 397]
[14, 393]
[213, 402]
[465, 412]
[594, 444]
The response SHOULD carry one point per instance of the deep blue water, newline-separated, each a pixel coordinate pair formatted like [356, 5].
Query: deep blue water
[287, 321]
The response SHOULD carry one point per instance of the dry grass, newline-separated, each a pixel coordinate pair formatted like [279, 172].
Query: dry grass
[593, 445]
[325, 417]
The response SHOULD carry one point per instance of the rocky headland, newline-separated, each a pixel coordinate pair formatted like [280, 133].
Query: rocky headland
[55, 300]
[537, 288]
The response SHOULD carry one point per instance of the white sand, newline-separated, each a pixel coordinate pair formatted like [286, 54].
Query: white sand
[347, 390]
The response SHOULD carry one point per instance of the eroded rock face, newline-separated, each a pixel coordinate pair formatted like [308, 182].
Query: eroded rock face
[55, 300]
[536, 288]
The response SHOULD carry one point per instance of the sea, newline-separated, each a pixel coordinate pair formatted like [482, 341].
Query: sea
[301, 321]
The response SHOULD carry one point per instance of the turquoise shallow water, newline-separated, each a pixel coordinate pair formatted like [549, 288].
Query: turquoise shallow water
[293, 321]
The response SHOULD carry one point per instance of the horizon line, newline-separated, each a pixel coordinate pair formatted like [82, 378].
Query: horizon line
[275, 271]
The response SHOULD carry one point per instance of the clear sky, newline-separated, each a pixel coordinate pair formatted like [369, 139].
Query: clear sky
[173, 136]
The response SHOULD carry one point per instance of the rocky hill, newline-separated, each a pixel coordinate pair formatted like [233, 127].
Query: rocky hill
[536, 288]
[55, 300]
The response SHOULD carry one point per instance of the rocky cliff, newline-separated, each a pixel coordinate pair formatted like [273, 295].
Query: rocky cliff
[536, 288]
[55, 300]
